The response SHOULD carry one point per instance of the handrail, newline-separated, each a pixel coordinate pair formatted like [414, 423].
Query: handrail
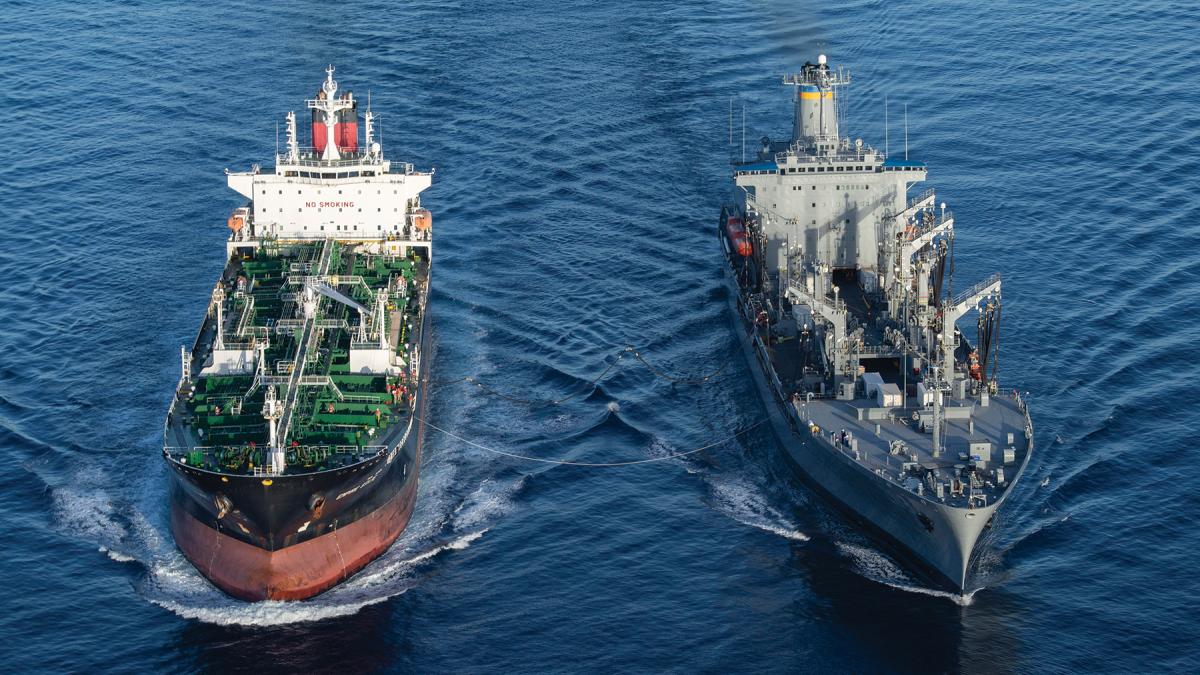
[975, 290]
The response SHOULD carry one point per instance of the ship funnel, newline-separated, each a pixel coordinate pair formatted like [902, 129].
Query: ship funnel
[816, 123]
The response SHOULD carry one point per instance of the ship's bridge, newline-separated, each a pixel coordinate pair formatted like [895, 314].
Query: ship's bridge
[820, 193]
[335, 187]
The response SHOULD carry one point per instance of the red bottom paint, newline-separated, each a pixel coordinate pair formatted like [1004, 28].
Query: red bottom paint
[296, 572]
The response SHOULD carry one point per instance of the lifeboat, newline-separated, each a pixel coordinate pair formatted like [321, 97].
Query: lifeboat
[237, 220]
[739, 241]
[422, 219]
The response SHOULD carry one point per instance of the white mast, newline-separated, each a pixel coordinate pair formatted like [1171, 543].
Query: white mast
[293, 146]
[273, 411]
[218, 301]
[369, 125]
[328, 103]
[381, 299]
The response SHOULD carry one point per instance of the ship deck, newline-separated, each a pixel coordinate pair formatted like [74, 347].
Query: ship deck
[337, 412]
[890, 443]
[982, 446]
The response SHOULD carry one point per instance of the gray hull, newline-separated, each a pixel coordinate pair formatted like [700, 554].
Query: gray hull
[938, 538]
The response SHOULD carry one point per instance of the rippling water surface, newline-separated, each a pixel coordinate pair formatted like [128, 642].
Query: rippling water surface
[581, 154]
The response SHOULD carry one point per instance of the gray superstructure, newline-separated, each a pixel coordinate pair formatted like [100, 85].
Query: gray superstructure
[844, 284]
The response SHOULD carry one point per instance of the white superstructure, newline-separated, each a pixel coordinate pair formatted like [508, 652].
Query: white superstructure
[333, 189]
[822, 194]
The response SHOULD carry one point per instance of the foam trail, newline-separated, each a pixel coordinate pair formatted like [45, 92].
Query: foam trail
[83, 506]
[879, 568]
[130, 530]
[745, 504]
[117, 555]
[486, 504]
[736, 497]
[204, 603]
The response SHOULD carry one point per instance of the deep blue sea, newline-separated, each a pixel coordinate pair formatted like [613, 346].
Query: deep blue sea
[582, 153]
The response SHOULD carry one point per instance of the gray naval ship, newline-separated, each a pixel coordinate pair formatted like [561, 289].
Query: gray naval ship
[843, 284]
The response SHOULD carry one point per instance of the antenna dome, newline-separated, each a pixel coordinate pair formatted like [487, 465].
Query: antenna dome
[821, 59]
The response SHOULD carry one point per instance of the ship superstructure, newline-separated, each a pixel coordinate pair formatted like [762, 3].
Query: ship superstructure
[845, 282]
[294, 438]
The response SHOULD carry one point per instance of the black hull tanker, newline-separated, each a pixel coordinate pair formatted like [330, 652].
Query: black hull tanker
[844, 286]
[294, 439]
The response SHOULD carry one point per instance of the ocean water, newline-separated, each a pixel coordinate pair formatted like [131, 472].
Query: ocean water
[581, 152]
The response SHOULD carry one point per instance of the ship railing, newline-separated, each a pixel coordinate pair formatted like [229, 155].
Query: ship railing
[283, 326]
[310, 157]
[332, 449]
[920, 198]
[359, 452]
[342, 279]
[321, 381]
[975, 290]
[876, 349]
[237, 342]
[247, 315]
[798, 152]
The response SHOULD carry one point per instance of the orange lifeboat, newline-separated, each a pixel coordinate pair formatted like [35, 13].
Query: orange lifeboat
[422, 219]
[238, 220]
[738, 238]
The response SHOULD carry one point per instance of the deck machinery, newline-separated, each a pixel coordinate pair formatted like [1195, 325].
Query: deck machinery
[294, 436]
[844, 284]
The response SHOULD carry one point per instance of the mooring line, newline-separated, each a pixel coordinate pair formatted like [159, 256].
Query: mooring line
[565, 462]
